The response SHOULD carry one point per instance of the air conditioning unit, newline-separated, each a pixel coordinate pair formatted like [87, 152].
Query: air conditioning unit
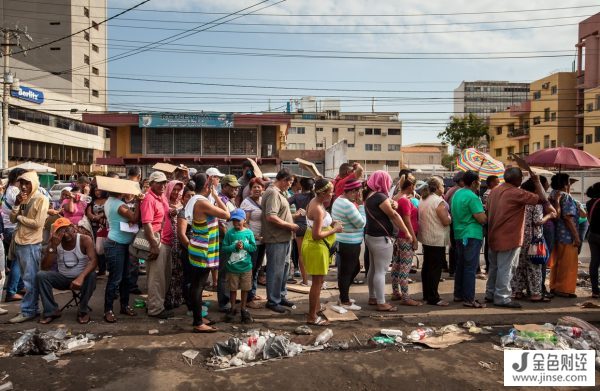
[361, 133]
[384, 133]
[546, 85]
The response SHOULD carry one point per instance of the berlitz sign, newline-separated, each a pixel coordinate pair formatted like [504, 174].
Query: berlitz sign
[28, 94]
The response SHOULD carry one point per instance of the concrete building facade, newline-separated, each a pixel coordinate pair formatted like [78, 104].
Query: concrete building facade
[485, 97]
[591, 118]
[426, 156]
[588, 81]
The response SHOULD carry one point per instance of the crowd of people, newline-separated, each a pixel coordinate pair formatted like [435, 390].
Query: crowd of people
[215, 231]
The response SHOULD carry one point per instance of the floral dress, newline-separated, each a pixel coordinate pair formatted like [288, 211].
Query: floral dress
[528, 276]
[174, 297]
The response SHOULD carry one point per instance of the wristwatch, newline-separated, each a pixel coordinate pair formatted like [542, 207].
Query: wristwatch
[50, 250]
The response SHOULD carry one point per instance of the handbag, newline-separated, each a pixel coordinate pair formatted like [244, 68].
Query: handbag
[140, 247]
[392, 238]
[537, 253]
[333, 248]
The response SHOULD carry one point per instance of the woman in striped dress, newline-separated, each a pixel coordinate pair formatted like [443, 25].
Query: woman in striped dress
[203, 248]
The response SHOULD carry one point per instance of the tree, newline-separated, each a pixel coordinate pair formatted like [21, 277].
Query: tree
[464, 132]
[449, 161]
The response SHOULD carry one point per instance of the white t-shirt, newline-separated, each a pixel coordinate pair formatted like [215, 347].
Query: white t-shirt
[255, 211]
[8, 201]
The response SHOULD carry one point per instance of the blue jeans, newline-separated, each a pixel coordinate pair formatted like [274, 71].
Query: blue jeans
[503, 265]
[257, 260]
[467, 259]
[222, 285]
[278, 267]
[47, 280]
[117, 264]
[29, 257]
[14, 281]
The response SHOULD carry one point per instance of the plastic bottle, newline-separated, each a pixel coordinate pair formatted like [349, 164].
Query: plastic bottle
[391, 332]
[419, 334]
[324, 337]
[571, 331]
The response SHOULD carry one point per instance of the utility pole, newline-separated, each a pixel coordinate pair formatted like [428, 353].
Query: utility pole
[9, 35]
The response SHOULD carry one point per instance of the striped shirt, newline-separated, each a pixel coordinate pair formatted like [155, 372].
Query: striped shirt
[204, 242]
[352, 218]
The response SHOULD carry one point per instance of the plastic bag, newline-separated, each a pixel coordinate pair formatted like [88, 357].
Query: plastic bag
[276, 347]
[232, 346]
[27, 343]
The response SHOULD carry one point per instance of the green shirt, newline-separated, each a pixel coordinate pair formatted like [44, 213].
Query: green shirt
[238, 261]
[465, 204]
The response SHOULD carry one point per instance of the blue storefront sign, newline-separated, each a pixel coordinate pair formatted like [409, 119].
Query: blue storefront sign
[186, 120]
[28, 94]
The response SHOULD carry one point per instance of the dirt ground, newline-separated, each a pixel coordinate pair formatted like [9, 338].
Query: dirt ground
[126, 356]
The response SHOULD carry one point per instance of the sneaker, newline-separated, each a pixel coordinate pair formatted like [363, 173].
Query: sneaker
[20, 318]
[246, 317]
[351, 307]
[287, 303]
[276, 308]
[3, 311]
[297, 274]
[165, 314]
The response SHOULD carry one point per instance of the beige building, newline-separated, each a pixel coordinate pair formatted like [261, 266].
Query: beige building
[374, 139]
[546, 120]
[591, 118]
[75, 66]
[425, 156]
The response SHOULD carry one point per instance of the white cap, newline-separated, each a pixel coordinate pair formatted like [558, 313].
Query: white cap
[192, 171]
[213, 171]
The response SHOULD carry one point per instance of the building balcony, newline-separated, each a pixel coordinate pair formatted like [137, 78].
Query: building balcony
[519, 133]
[519, 154]
[520, 109]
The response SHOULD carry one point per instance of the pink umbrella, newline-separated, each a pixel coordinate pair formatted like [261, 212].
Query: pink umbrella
[563, 158]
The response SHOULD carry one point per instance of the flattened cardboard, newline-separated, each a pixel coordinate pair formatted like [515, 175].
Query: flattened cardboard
[523, 165]
[309, 166]
[333, 316]
[297, 288]
[166, 167]
[445, 340]
[257, 171]
[115, 185]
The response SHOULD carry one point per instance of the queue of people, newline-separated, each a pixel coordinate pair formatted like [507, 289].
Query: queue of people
[212, 229]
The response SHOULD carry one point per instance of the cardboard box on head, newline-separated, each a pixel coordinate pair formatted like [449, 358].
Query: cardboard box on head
[310, 167]
[165, 167]
[120, 186]
[255, 168]
[523, 165]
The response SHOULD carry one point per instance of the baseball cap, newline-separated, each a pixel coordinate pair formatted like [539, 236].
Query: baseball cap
[213, 171]
[237, 214]
[61, 222]
[157, 176]
[230, 180]
[192, 172]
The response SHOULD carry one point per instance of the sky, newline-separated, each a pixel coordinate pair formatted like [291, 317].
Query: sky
[404, 56]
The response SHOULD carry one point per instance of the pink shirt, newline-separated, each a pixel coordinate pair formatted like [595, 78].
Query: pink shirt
[406, 208]
[78, 214]
[155, 210]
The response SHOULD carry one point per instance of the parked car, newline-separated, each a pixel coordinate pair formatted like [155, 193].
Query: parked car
[56, 189]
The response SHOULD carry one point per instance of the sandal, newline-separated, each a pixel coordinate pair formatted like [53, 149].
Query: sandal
[110, 317]
[372, 302]
[204, 329]
[208, 322]
[128, 311]
[542, 299]
[83, 318]
[411, 302]
[396, 297]
[473, 304]
[442, 303]
[50, 318]
[386, 308]
[319, 321]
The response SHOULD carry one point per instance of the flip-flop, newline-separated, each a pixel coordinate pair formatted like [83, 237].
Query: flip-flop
[372, 302]
[83, 318]
[208, 322]
[442, 303]
[411, 302]
[319, 321]
[473, 304]
[207, 330]
[49, 319]
[543, 299]
[110, 317]
[391, 308]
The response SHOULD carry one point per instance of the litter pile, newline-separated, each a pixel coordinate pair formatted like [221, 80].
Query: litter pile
[568, 333]
[51, 343]
[255, 346]
[437, 338]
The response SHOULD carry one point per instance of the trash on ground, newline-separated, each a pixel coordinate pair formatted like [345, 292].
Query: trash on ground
[303, 330]
[420, 333]
[333, 316]
[492, 366]
[50, 357]
[391, 332]
[338, 309]
[588, 304]
[477, 330]
[451, 328]
[53, 341]
[6, 386]
[380, 340]
[469, 324]
[153, 331]
[323, 337]
[445, 340]
[189, 356]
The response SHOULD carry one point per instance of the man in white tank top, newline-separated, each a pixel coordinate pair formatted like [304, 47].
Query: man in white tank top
[76, 259]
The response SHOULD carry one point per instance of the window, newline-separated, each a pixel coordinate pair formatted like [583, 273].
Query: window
[537, 95]
[135, 139]
[553, 144]
[86, 59]
[159, 141]
[296, 146]
[95, 25]
[372, 161]
[335, 130]
[369, 131]
[243, 142]
[300, 130]
[546, 114]
[319, 145]
[395, 132]
[589, 106]
[350, 129]
[597, 134]
[373, 131]
[54, 23]
[376, 147]
[95, 93]
[393, 147]
[553, 116]
[553, 90]
[319, 129]
[215, 142]
[86, 12]
[54, 48]
[498, 152]
[86, 82]
[86, 36]
[392, 163]
[546, 141]
[95, 48]
[350, 145]
[498, 130]
[510, 150]
[589, 138]
[537, 120]
[536, 146]
[377, 132]
[95, 71]
[526, 149]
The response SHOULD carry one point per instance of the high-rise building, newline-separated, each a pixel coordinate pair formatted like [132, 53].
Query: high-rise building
[485, 97]
[58, 82]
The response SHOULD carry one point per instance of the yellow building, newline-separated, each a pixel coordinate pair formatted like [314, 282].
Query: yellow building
[591, 118]
[546, 120]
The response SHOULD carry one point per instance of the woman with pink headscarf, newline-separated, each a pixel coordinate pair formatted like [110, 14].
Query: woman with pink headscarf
[174, 297]
[379, 236]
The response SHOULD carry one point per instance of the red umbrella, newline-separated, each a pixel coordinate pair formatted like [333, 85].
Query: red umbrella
[563, 158]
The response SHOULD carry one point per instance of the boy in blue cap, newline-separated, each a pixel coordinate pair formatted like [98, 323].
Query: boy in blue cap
[238, 243]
